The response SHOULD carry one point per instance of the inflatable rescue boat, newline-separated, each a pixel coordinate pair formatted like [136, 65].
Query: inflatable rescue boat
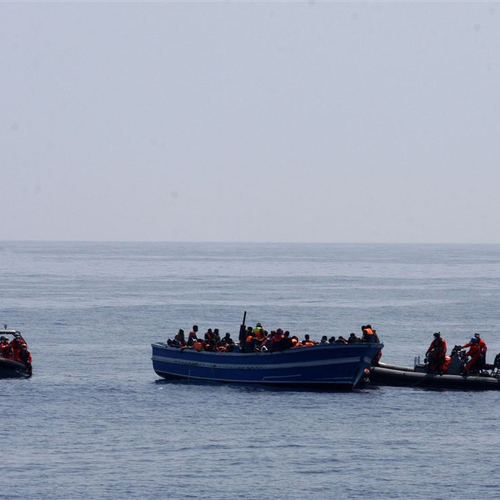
[454, 378]
[10, 367]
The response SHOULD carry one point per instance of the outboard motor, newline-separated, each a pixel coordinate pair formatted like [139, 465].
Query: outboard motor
[457, 363]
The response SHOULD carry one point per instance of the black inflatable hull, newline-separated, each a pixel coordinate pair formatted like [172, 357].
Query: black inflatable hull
[12, 369]
[400, 376]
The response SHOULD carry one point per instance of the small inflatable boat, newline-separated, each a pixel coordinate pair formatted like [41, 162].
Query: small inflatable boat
[418, 376]
[13, 368]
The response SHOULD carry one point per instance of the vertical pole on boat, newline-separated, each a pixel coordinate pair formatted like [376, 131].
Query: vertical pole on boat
[243, 329]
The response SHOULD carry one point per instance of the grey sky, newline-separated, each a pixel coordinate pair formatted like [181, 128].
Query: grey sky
[374, 122]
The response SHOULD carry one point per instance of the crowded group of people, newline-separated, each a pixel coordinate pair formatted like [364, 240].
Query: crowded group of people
[438, 362]
[257, 339]
[16, 350]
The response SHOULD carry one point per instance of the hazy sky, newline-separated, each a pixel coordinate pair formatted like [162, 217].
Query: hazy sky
[339, 122]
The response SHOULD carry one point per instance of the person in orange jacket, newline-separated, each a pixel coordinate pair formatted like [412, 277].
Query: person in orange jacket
[17, 344]
[5, 348]
[474, 353]
[483, 348]
[436, 353]
[307, 340]
[369, 334]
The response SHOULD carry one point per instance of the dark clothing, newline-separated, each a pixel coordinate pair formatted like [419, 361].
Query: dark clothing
[286, 343]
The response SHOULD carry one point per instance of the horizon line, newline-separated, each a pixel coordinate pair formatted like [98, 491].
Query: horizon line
[253, 242]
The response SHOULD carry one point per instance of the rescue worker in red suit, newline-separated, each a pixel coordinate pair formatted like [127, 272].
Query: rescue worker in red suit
[482, 350]
[474, 353]
[25, 359]
[436, 354]
[17, 344]
[5, 348]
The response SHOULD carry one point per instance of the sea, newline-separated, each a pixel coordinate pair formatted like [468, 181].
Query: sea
[95, 421]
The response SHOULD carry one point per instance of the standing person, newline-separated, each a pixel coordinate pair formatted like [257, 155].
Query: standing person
[436, 353]
[474, 353]
[482, 349]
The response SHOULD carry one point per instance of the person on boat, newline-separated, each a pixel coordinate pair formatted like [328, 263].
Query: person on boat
[307, 340]
[192, 336]
[250, 342]
[259, 334]
[474, 353]
[276, 340]
[369, 334]
[353, 339]
[180, 340]
[209, 345]
[340, 340]
[216, 336]
[226, 344]
[248, 333]
[17, 344]
[5, 348]
[227, 339]
[331, 340]
[286, 342]
[199, 345]
[25, 358]
[483, 348]
[295, 341]
[482, 343]
[324, 340]
[436, 353]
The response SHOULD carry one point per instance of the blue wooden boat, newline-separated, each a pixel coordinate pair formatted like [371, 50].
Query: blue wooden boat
[326, 366]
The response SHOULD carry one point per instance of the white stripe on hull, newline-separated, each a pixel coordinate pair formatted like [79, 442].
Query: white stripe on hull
[337, 380]
[277, 366]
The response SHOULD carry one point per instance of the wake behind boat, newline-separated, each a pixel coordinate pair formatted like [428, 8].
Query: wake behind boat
[267, 359]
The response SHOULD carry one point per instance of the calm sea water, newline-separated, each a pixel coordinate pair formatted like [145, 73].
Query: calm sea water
[96, 422]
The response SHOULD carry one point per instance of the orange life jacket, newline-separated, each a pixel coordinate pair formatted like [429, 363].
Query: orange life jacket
[482, 347]
[5, 351]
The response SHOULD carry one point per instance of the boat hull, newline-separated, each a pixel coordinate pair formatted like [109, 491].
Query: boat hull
[330, 366]
[400, 376]
[12, 369]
